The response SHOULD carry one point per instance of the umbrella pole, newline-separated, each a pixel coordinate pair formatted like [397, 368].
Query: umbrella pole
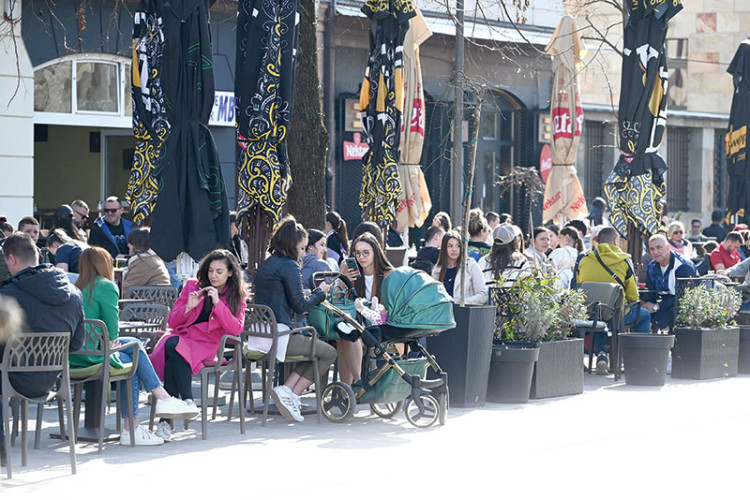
[635, 246]
[256, 228]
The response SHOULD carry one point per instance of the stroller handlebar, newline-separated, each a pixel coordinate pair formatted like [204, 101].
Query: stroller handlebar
[334, 274]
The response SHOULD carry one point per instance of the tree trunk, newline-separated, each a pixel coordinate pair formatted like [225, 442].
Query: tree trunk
[308, 137]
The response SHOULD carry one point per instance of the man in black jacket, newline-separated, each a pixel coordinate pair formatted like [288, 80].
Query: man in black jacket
[51, 304]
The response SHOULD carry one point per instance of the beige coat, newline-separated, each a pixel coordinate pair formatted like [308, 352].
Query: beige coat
[145, 269]
[476, 290]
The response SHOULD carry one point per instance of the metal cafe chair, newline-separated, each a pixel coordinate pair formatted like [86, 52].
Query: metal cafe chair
[37, 352]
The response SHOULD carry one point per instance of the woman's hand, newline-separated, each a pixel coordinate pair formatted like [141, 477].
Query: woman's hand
[213, 294]
[194, 300]
[352, 274]
[326, 287]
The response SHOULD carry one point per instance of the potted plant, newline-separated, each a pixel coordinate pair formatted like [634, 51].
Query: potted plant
[534, 323]
[646, 357]
[706, 339]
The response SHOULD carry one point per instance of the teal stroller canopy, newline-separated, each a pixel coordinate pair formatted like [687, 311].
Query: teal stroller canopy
[415, 300]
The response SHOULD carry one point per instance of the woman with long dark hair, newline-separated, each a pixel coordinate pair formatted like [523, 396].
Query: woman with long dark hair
[145, 268]
[447, 272]
[210, 306]
[565, 256]
[338, 240]
[100, 298]
[278, 285]
[63, 219]
[372, 266]
[314, 260]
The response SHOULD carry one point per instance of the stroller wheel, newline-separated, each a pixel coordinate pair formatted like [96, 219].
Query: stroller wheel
[339, 402]
[386, 410]
[424, 417]
[443, 404]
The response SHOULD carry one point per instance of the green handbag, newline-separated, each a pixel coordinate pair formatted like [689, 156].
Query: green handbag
[324, 321]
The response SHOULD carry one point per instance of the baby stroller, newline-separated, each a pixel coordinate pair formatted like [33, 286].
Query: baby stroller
[418, 306]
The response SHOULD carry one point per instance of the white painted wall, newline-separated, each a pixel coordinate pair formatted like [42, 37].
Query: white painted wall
[16, 124]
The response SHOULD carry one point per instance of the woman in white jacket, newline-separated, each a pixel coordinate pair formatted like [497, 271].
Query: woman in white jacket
[446, 271]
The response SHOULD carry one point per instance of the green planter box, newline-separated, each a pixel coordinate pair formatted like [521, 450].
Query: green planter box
[558, 371]
[703, 353]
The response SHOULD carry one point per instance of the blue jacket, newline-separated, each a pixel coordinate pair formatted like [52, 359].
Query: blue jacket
[658, 283]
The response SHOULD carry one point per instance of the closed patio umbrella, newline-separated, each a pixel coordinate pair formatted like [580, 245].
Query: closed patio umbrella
[414, 203]
[636, 183]
[381, 102]
[738, 164]
[267, 34]
[563, 196]
[190, 213]
[151, 125]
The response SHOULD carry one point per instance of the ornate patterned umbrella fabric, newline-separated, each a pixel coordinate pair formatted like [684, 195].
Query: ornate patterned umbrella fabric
[738, 164]
[191, 212]
[381, 102]
[267, 34]
[414, 204]
[636, 183]
[151, 125]
[563, 196]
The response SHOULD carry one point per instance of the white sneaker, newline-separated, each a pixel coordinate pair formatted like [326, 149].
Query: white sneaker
[297, 406]
[284, 400]
[143, 437]
[175, 408]
[164, 431]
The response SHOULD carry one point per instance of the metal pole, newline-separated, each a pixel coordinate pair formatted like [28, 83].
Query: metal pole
[330, 103]
[457, 165]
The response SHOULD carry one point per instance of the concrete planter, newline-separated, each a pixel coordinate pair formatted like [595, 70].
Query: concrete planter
[511, 371]
[646, 357]
[703, 353]
[743, 363]
[464, 354]
[558, 371]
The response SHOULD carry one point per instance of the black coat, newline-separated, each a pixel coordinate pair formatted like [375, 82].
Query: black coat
[278, 285]
[51, 304]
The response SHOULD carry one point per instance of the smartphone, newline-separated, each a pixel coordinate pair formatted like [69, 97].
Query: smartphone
[351, 263]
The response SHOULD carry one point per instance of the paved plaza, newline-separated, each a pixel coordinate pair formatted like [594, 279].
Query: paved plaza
[684, 440]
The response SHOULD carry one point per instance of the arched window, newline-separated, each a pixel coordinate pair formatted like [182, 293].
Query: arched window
[85, 90]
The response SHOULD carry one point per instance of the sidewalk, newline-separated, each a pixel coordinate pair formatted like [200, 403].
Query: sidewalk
[614, 441]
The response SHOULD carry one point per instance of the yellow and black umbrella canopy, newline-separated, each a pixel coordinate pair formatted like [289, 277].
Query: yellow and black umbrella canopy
[637, 180]
[738, 164]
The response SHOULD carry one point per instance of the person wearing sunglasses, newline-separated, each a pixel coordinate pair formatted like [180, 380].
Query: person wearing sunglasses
[110, 231]
[80, 216]
[677, 241]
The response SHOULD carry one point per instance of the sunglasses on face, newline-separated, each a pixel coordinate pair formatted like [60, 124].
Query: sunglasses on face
[677, 232]
[82, 216]
[111, 210]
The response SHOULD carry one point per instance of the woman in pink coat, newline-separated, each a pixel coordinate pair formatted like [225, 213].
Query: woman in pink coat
[209, 307]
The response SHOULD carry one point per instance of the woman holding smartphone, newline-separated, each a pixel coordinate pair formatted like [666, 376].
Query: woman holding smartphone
[366, 270]
[209, 307]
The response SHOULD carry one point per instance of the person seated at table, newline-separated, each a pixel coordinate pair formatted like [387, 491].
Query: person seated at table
[278, 285]
[536, 253]
[478, 232]
[372, 267]
[607, 263]
[447, 272]
[314, 260]
[565, 256]
[67, 252]
[505, 264]
[681, 246]
[145, 268]
[726, 254]
[428, 255]
[661, 278]
[210, 306]
[100, 298]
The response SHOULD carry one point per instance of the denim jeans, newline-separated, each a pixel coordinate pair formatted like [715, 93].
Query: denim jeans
[643, 326]
[144, 375]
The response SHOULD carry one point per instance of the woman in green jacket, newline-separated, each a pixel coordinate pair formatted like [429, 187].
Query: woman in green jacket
[100, 298]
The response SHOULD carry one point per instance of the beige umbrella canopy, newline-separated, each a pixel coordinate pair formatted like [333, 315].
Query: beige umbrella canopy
[563, 196]
[414, 203]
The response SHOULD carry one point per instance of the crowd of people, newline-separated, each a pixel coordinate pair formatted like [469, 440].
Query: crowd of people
[65, 274]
